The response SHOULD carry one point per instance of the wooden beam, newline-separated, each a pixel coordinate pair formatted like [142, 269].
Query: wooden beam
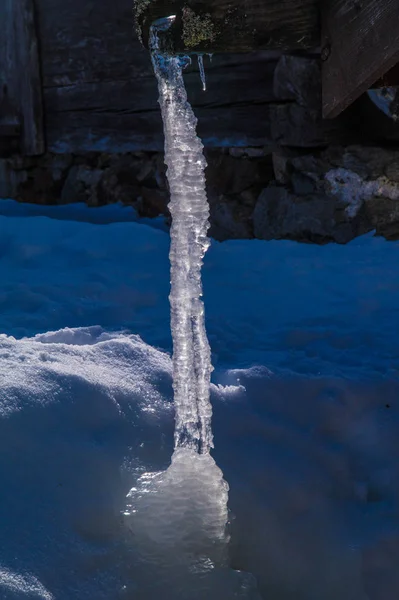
[360, 43]
[233, 25]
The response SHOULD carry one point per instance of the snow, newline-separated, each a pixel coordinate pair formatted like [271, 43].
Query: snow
[111, 213]
[305, 399]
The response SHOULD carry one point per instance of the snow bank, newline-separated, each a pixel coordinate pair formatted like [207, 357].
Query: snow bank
[305, 400]
[312, 465]
[76, 421]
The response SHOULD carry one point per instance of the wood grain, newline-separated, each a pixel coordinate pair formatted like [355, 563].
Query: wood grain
[121, 116]
[360, 43]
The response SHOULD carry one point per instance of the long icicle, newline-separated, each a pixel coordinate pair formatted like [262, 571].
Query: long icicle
[190, 213]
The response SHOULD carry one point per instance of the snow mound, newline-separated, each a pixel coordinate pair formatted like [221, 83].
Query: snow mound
[14, 586]
[75, 421]
[312, 466]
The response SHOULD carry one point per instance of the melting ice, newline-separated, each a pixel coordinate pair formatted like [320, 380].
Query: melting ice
[179, 517]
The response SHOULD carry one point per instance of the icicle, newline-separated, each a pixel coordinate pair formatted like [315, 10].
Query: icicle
[179, 516]
[190, 212]
[202, 70]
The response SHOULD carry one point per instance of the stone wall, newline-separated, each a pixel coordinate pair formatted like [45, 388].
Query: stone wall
[235, 178]
[333, 195]
[319, 196]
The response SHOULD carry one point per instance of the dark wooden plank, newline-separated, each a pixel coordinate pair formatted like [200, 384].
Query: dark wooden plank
[89, 41]
[233, 25]
[360, 43]
[79, 131]
[249, 80]
[28, 79]
[124, 116]
[90, 105]
[100, 92]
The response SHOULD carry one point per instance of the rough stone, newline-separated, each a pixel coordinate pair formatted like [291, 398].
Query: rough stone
[298, 78]
[153, 202]
[334, 194]
[229, 175]
[308, 195]
[119, 182]
[296, 118]
[250, 152]
[312, 218]
[296, 114]
[392, 171]
[230, 220]
[81, 186]
[297, 126]
[280, 161]
[383, 213]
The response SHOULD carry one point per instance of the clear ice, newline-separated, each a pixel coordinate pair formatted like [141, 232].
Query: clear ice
[190, 213]
[202, 70]
[179, 517]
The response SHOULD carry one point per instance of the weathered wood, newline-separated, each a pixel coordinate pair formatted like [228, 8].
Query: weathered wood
[122, 116]
[9, 122]
[29, 85]
[20, 74]
[100, 92]
[79, 132]
[233, 25]
[360, 43]
[89, 41]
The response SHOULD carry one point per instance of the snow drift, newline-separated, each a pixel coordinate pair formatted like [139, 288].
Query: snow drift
[305, 399]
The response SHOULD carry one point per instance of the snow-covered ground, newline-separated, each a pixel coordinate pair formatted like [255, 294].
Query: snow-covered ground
[306, 404]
